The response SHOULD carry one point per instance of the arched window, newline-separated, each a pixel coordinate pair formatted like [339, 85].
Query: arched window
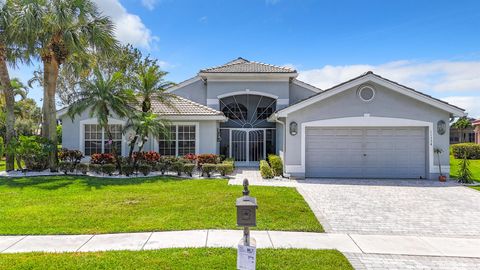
[235, 111]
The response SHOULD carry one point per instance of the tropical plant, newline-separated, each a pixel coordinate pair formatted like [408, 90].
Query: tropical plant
[54, 30]
[104, 98]
[438, 152]
[462, 124]
[464, 173]
[33, 151]
[207, 158]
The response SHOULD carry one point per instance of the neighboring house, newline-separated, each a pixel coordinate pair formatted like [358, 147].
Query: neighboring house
[476, 125]
[462, 136]
[367, 127]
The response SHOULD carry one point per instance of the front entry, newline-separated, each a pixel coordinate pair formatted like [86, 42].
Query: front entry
[247, 145]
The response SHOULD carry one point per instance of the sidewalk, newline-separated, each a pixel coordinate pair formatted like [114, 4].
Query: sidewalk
[347, 243]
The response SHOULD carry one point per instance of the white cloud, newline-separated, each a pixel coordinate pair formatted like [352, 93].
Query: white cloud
[149, 4]
[438, 76]
[471, 104]
[129, 27]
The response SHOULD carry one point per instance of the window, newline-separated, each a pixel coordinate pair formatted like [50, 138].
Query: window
[96, 140]
[366, 93]
[182, 141]
[235, 111]
[264, 113]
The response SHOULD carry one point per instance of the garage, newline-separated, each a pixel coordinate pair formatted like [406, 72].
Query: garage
[366, 152]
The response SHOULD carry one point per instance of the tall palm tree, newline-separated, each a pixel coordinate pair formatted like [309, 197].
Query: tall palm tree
[149, 84]
[6, 53]
[54, 30]
[104, 97]
[462, 124]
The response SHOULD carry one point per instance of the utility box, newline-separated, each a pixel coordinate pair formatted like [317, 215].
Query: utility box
[246, 211]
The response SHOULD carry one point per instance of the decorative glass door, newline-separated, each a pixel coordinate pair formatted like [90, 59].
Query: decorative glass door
[247, 145]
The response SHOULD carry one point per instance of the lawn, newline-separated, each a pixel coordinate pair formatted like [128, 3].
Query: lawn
[474, 168]
[203, 258]
[86, 205]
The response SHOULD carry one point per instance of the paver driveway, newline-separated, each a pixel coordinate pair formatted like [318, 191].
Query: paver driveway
[400, 207]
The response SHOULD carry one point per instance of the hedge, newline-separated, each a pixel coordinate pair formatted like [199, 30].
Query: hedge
[265, 170]
[276, 164]
[471, 150]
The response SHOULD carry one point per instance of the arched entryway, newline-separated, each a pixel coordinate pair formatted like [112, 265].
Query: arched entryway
[247, 136]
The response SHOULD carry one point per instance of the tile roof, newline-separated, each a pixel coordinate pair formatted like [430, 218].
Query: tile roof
[183, 107]
[241, 65]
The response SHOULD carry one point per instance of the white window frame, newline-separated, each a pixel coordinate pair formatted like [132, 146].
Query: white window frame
[176, 124]
[94, 121]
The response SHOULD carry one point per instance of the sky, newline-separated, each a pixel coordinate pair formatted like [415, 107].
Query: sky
[432, 46]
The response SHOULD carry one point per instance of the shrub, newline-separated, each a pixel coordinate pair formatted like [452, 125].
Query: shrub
[161, 167]
[208, 169]
[108, 169]
[82, 167]
[65, 166]
[188, 169]
[178, 167]
[464, 174]
[265, 170]
[190, 158]
[225, 168]
[33, 151]
[207, 158]
[168, 161]
[145, 169]
[276, 164]
[150, 157]
[106, 158]
[128, 169]
[468, 150]
[96, 168]
[2, 147]
[72, 156]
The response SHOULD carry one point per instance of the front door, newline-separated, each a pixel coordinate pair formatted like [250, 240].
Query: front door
[247, 146]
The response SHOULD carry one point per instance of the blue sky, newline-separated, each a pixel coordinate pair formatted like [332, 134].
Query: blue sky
[432, 46]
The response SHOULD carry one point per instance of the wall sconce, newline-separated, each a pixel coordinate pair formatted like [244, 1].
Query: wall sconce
[441, 127]
[219, 137]
[293, 128]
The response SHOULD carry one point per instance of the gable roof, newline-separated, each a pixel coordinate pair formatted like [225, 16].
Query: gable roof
[241, 65]
[370, 76]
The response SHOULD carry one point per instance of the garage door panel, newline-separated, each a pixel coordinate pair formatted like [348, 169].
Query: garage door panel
[393, 152]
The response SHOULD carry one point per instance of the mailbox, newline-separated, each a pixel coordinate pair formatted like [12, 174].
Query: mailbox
[246, 209]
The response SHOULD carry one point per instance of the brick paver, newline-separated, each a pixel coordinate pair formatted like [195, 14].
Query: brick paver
[396, 207]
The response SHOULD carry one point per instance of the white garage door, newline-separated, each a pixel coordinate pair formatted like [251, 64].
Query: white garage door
[393, 152]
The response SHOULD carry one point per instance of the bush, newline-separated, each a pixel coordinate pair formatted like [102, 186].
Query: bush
[150, 157]
[464, 173]
[145, 169]
[65, 166]
[33, 151]
[225, 168]
[265, 170]
[108, 169]
[2, 147]
[468, 150]
[72, 156]
[106, 158]
[161, 167]
[188, 169]
[207, 158]
[276, 164]
[208, 169]
[82, 167]
[190, 158]
[178, 167]
[128, 169]
[96, 168]
[168, 161]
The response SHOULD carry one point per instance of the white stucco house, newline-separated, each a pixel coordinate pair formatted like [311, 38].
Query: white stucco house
[367, 127]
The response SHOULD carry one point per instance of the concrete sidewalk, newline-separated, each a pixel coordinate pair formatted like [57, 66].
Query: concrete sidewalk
[347, 243]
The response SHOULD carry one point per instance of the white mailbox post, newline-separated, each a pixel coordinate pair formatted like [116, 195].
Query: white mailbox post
[246, 217]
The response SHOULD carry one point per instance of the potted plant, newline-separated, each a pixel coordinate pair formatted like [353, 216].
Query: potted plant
[441, 177]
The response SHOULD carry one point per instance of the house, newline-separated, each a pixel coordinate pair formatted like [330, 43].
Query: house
[367, 127]
[466, 135]
[476, 125]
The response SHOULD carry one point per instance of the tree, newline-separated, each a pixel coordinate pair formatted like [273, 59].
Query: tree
[462, 124]
[54, 30]
[7, 52]
[149, 84]
[104, 97]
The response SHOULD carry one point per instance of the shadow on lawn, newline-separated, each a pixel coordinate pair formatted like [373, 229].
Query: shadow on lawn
[57, 182]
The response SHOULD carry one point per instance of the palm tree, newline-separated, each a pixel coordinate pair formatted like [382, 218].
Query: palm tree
[462, 124]
[149, 84]
[7, 53]
[104, 97]
[54, 30]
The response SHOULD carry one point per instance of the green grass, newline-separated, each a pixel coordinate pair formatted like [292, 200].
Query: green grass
[474, 168]
[77, 205]
[213, 258]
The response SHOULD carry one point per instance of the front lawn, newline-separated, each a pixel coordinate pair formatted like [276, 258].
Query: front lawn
[203, 258]
[87, 205]
[474, 168]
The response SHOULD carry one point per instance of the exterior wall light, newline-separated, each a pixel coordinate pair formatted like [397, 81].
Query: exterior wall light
[441, 127]
[293, 128]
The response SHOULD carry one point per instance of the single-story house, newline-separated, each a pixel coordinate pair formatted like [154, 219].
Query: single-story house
[476, 125]
[367, 127]
[466, 135]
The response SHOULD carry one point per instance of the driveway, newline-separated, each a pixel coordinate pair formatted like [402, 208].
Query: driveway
[397, 207]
